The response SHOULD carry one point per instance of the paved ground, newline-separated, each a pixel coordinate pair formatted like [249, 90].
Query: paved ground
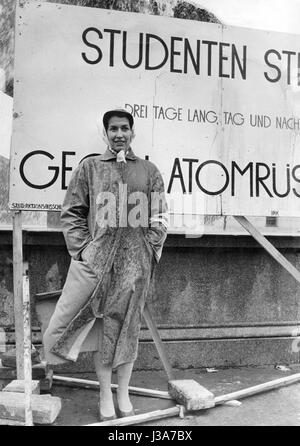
[279, 407]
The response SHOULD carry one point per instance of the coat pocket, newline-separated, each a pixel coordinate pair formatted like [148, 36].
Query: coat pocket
[146, 241]
[85, 252]
[87, 256]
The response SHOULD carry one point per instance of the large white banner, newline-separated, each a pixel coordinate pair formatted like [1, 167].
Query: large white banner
[216, 108]
[6, 105]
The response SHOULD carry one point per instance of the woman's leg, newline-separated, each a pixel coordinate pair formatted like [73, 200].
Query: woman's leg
[79, 286]
[104, 375]
[124, 374]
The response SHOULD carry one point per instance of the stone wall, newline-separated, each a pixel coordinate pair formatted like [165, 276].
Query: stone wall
[217, 300]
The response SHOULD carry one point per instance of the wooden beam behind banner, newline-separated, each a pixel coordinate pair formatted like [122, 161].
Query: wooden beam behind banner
[18, 291]
[268, 247]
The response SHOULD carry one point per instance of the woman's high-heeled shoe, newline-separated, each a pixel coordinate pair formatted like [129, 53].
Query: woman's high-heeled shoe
[123, 413]
[103, 417]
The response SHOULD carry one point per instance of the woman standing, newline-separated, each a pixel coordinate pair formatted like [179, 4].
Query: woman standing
[114, 219]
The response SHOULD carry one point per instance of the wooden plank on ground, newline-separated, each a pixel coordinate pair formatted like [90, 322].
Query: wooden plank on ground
[45, 408]
[18, 385]
[142, 418]
[254, 390]
[90, 384]
[159, 414]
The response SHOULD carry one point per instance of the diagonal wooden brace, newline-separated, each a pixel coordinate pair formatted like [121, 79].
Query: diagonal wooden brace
[268, 247]
[158, 343]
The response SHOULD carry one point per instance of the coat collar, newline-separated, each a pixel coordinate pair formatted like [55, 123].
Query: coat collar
[108, 155]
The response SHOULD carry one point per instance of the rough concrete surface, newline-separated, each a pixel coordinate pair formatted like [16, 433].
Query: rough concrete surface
[190, 394]
[280, 407]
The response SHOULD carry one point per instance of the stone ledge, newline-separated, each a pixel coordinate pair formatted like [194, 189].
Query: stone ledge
[219, 353]
[55, 238]
[189, 333]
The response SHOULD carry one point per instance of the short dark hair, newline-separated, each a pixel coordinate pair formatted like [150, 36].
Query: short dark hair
[117, 112]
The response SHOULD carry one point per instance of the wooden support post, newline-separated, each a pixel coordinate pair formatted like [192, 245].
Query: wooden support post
[158, 343]
[18, 291]
[27, 347]
[268, 247]
[22, 315]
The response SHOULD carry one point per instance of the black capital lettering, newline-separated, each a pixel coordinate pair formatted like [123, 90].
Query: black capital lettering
[124, 54]
[65, 168]
[190, 161]
[222, 58]
[288, 181]
[234, 167]
[297, 179]
[112, 33]
[200, 185]
[276, 78]
[148, 47]
[179, 175]
[260, 178]
[174, 53]
[38, 186]
[209, 44]
[92, 45]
